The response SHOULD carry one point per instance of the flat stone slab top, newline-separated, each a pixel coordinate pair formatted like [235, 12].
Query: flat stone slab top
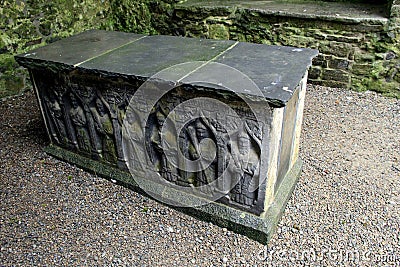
[276, 70]
[77, 49]
[335, 10]
[210, 127]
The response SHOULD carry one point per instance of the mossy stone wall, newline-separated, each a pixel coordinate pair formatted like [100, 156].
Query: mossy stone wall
[141, 16]
[359, 55]
[28, 24]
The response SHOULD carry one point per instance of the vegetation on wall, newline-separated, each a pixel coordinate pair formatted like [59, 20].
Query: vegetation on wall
[28, 24]
[141, 16]
[359, 56]
[382, 74]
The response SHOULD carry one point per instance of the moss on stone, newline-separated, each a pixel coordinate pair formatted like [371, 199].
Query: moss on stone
[378, 85]
[218, 31]
[29, 24]
[141, 16]
[370, 46]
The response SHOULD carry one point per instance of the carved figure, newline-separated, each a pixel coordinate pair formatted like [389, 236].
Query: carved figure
[57, 127]
[78, 118]
[223, 153]
[115, 101]
[86, 96]
[162, 144]
[156, 150]
[245, 169]
[207, 174]
[103, 126]
[170, 171]
[135, 150]
[58, 112]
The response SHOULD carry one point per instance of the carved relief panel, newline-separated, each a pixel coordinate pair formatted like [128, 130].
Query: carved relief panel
[213, 151]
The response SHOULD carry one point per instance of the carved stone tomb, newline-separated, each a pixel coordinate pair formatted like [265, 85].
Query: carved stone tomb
[209, 127]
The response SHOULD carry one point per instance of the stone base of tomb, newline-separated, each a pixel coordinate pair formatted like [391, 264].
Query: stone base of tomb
[259, 228]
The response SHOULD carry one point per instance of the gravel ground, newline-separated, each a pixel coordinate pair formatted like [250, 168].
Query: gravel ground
[344, 211]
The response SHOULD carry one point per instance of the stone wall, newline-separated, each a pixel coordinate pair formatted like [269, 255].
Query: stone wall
[28, 24]
[359, 53]
[142, 16]
[356, 53]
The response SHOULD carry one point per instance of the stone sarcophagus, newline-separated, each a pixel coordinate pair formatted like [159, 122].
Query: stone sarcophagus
[210, 127]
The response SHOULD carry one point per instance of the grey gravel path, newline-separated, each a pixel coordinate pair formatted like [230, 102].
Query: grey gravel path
[344, 211]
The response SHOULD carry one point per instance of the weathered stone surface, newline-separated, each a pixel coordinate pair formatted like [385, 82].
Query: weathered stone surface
[361, 69]
[364, 57]
[314, 73]
[338, 63]
[287, 139]
[344, 33]
[331, 83]
[336, 49]
[277, 74]
[356, 38]
[131, 54]
[336, 75]
[320, 61]
[218, 31]
[345, 12]
[152, 54]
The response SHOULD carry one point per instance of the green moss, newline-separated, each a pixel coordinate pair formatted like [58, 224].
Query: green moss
[218, 31]
[378, 85]
[130, 16]
[26, 25]
[141, 16]
[7, 63]
[30, 24]
[12, 79]
[11, 85]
